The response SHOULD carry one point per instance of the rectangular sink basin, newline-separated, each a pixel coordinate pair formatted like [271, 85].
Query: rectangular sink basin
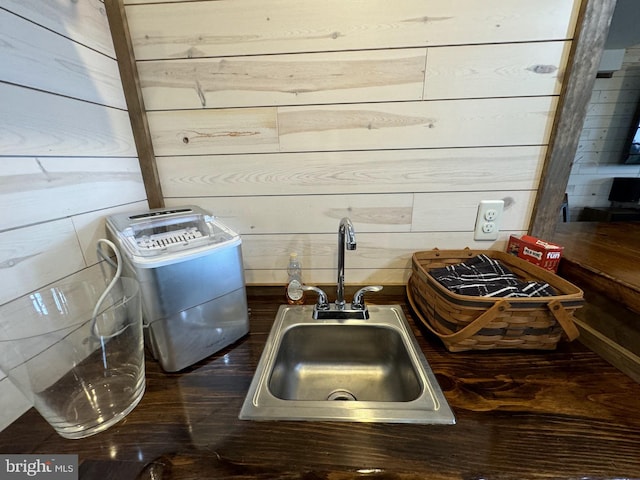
[347, 362]
[344, 370]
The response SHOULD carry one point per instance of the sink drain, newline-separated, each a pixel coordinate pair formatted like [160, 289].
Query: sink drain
[342, 395]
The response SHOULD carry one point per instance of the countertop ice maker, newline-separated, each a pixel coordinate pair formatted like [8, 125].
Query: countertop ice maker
[189, 266]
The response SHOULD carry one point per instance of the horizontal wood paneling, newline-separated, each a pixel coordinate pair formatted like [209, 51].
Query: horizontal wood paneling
[512, 69]
[91, 226]
[27, 186]
[229, 27]
[14, 403]
[456, 211]
[461, 123]
[427, 212]
[38, 123]
[281, 117]
[433, 124]
[39, 58]
[84, 21]
[37, 255]
[378, 171]
[380, 258]
[309, 213]
[321, 78]
[219, 131]
[283, 79]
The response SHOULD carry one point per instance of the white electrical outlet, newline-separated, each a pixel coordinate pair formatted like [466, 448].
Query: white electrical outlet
[488, 220]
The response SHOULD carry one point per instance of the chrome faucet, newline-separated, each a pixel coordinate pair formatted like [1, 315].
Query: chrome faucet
[340, 310]
[346, 238]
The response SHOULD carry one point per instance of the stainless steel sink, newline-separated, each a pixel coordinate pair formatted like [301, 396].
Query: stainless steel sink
[344, 370]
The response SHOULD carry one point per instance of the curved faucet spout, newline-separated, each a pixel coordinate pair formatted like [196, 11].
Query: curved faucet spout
[346, 238]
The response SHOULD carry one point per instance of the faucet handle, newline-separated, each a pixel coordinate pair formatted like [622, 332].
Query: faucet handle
[323, 301]
[358, 298]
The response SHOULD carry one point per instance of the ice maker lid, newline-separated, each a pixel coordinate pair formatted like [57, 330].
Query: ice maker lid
[170, 233]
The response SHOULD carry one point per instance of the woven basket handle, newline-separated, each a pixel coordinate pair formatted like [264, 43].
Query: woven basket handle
[564, 319]
[470, 330]
[479, 323]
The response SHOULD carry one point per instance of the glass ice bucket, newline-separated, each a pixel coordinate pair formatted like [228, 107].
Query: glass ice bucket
[83, 370]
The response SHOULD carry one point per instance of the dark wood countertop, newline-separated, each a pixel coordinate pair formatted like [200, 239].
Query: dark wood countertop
[603, 255]
[561, 414]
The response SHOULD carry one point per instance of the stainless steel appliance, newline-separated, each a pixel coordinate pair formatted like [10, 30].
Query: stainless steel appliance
[189, 266]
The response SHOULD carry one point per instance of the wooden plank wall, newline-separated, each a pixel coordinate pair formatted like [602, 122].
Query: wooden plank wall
[281, 117]
[67, 156]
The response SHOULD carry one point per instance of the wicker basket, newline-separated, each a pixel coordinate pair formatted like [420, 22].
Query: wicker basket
[465, 322]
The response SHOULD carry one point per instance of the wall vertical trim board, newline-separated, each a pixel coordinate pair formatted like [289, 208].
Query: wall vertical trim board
[588, 44]
[135, 104]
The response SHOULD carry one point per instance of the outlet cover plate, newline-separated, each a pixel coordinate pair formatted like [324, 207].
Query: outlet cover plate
[488, 220]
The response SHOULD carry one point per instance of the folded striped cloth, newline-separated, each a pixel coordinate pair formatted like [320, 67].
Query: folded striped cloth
[483, 276]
